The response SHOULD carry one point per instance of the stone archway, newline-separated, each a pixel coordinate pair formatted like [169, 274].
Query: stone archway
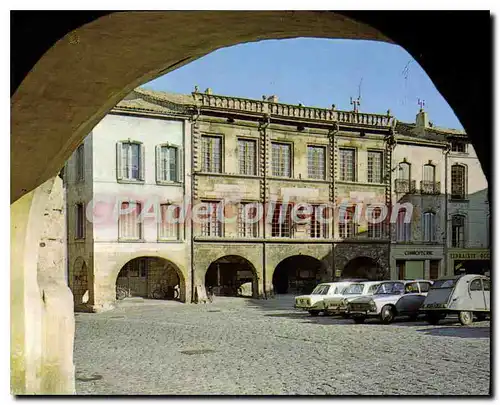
[361, 267]
[297, 274]
[232, 275]
[150, 277]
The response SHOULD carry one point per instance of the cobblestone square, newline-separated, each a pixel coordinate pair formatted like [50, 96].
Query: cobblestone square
[241, 346]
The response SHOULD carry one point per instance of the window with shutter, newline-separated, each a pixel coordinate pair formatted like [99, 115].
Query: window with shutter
[130, 161]
[168, 163]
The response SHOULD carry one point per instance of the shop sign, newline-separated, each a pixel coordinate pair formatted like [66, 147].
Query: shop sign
[419, 253]
[470, 255]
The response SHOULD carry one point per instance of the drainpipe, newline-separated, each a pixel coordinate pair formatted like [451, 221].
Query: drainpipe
[263, 129]
[446, 153]
[333, 132]
[194, 120]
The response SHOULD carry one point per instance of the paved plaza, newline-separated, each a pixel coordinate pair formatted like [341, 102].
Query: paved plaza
[239, 346]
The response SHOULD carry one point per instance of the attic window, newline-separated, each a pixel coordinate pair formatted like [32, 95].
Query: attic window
[458, 146]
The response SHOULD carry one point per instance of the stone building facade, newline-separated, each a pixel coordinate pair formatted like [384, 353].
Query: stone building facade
[270, 197]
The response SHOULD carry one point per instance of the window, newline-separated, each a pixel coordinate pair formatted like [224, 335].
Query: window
[375, 225]
[429, 174]
[459, 146]
[458, 231]
[403, 229]
[403, 183]
[372, 289]
[411, 288]
[316, 162]
[129, 226]
[487, 285]
[347, 227]
[211, 226]
[247, 150]
[347, 162]
[424, 287]
[429, 227]
[428, 184]
[458, 181]
[281, 159]
[80, 163]
[168, 163]
[80, 221]
[212, 154]
[404, 171]
[318, 227]
[248, 225]
[169, 226]
[281, 225]
[130, 161]
[375, 166]
[475, 285]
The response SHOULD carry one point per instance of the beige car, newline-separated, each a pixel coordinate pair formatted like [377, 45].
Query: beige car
[337, 304]
[314, 302]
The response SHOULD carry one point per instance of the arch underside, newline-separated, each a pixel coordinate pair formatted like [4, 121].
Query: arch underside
[297, 275]
[232, 276]
[151, 277]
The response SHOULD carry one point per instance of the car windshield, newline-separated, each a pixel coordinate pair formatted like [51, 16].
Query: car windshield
[448, 283]
[321, 289]
[390, 288]
[354, 289]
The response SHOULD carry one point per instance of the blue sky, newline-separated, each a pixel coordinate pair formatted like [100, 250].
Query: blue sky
[317, 72]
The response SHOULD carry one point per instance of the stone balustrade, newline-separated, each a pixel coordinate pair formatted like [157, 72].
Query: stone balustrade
[292, 111]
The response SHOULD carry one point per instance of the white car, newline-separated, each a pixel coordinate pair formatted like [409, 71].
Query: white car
[337, 304]
[314, 302]
[392, 298]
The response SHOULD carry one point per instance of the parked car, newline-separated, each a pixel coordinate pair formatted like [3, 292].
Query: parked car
[466, 295]
[392, 299]
[337, 304]
[314, 302]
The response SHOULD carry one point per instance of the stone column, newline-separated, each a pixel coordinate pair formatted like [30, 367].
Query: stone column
[42, 320]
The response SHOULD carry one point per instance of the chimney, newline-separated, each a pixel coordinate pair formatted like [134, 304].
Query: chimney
[273, 99]
[422, 120]
[208, 91]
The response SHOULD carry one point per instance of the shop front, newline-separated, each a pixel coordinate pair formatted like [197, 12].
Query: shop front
[469, 261]
[417, 262]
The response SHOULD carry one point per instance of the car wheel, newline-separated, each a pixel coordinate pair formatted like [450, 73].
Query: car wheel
[433, 318]
[465, 317]
[314, 313]
[387, 314]
[359, 319]
[345, 315]
[480, 316]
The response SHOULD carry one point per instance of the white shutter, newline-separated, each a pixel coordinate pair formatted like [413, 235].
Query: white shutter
[158, 163]
[180, 164]
[141, 163]
[119, 167]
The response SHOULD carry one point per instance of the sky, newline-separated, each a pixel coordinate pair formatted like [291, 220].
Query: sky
[319, 73]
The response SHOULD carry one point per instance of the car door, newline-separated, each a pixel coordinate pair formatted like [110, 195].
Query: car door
[486, 290]
[411, 299]
[476, 294]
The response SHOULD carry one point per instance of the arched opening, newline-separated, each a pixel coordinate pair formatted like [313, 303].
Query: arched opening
[232, 276]
[80, 282]
[297, 274]
[150, 277]
[361, 267]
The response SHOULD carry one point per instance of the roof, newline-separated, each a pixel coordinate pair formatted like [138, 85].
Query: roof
[142, 99]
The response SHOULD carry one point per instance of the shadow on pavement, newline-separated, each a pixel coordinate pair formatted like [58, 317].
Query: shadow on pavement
[479, 332]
